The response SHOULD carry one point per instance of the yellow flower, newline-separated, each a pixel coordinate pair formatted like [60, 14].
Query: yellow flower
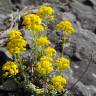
[52, 18]
[16, 43]
[31, 18]
[16, 46]
[42, 41]
[59, 83]
[38, 28]
[50, 51]
[10, 68]
[46, 58]
[62, 63]
[33, 22]
[51, 87]
[66, 27]
[14, 34]
[39, 91]
[5, 74]
[44, 67]
[46, 11]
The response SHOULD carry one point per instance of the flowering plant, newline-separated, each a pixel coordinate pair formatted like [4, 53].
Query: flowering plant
[42, 70]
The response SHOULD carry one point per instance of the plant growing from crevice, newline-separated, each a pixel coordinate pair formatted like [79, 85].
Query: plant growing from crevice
[42, 70]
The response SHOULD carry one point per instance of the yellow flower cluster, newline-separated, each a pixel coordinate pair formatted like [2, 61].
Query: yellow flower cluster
[62, 63]
[10, 68]
[66, 27]
[33, 22]
[46, 11]
[42, 41]
[58, 83]
[16, 42]
[45, 63]
[44, 67]
[14, 34]
[46, 58]
[50, 51]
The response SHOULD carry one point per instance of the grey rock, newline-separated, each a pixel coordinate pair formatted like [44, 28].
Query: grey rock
[4, 57]
[5, 7]
[93, 1]
[5, 51]
[83, 46]
[8, 6]
[85, 90]
[9, 85]
[85, 14]
[81, 0]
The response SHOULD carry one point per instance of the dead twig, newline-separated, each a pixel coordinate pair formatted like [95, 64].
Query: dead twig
[82, 75]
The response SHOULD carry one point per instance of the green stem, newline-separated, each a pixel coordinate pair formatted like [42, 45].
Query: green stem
[63, 42]
[34, 49]
[63, 49]
[46, 23]
[21, 67]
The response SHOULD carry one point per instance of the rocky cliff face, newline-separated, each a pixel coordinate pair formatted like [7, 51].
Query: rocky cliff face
[83, 15]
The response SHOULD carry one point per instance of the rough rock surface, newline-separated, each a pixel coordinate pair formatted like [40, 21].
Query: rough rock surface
[82, 46]
[82, 13]
[85, 11]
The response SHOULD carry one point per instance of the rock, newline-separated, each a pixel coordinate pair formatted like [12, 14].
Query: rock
[10, 88]
[81, 90]
[11, 5]
[83, 43]
[85, 14]
[5, 7]
[93, 1]
[4, 56]
[9, 85]
[82, 46]
[3, 94]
